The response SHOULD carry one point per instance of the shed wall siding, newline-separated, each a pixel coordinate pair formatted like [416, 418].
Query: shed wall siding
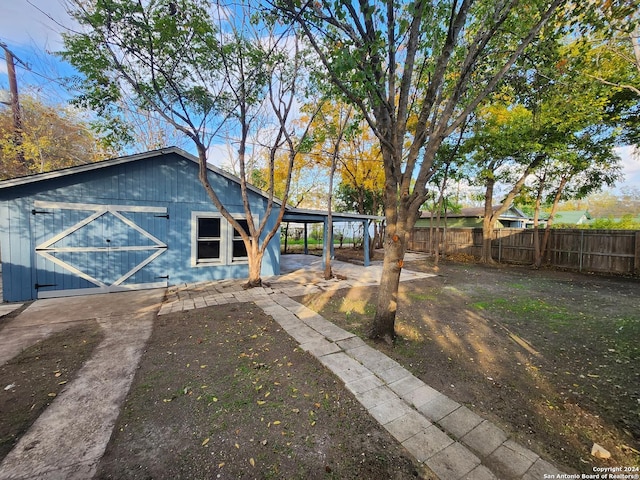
[168, 181]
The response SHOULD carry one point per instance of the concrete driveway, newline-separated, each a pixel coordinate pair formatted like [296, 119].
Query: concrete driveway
[68, 439]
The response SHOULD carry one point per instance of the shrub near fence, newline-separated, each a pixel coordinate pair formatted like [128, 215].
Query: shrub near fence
[608, 251]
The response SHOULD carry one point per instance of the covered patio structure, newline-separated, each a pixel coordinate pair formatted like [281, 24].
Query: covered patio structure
[306, 216]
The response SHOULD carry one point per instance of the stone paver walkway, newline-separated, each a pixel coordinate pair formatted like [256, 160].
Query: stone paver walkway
[449, 438]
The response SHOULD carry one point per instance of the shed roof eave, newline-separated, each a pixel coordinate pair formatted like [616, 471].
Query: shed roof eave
[14, 182]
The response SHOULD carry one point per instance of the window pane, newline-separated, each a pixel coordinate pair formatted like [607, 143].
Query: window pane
[208, 228]
[209, 249]
[239, 250]
[243, 223]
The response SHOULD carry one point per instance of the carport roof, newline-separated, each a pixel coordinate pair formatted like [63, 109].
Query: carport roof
[303, 215]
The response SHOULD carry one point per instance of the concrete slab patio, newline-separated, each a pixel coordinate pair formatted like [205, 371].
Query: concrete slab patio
[69, 438]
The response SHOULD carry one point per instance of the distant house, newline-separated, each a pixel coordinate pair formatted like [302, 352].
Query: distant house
[572, 217]
[472, 218]
[134, 222]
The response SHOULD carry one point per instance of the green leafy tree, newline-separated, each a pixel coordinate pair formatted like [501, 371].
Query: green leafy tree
[446, 167]
[414, 71]
[573, 174]
[206, 69]
[504, 151]
[331, 128]
[557, 126]
[627, 222]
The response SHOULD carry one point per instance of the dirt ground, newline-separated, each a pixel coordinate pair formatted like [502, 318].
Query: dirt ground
[30, 381]
[552, 357]
[222, 392]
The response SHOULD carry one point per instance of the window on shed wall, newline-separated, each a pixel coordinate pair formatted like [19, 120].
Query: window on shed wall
[209, 238]
[215, 241]
[238, 249]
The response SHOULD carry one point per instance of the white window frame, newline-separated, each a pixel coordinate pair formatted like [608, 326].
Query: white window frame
[195, 261]
[232, 259]
[226, 241]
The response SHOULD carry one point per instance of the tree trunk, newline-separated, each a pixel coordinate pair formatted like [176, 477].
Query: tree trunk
[488, 223]
[441, 202]
[286, 236]
[554, 208]
[255, 256]
[537, 254]
[328, 274]
[487, 234]
[383, 326]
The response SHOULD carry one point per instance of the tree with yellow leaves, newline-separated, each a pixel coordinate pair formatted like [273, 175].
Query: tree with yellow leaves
[343, 144]
[53, 137]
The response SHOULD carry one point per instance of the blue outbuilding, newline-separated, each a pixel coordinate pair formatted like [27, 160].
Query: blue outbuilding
[134, 222]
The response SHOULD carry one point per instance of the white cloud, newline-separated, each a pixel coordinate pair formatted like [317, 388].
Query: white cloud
[630, 156]
[34, 23]
[221, 155]
[32, 29]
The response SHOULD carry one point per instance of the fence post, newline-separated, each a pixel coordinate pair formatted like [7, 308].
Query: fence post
[581, 250]
[636, 256]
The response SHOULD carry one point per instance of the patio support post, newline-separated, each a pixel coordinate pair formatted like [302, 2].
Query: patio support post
[331, 242]
[365, 243]
[306, 243]
[325, 241]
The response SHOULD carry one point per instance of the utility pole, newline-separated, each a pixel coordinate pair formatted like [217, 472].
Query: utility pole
[15, 106]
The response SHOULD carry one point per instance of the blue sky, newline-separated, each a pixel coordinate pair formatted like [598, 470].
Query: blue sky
[31, 29]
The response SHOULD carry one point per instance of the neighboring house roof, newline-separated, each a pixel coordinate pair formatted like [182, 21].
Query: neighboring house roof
[572, 217]
[478, 212]
[472, 218]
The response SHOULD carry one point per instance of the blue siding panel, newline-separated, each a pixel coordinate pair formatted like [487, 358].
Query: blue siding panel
[169, 181]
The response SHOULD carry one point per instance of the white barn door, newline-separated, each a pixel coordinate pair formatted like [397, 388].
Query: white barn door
[84, 248]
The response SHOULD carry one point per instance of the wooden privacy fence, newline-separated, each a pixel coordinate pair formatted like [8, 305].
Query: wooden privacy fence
[610, 251]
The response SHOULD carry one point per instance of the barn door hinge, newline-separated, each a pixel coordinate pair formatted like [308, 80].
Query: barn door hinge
[39, 285]
[35, 212]
[166, 277]
[162, 216]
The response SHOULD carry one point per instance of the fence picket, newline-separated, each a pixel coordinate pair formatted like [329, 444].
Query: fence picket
[610, 251]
